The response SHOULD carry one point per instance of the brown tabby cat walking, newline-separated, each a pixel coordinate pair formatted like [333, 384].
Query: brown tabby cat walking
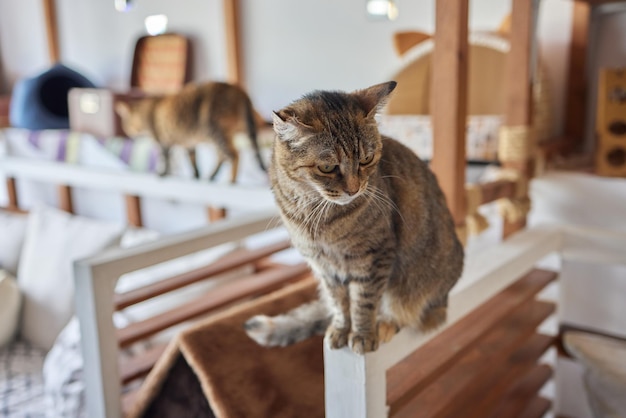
[198, 113]
[369, 217]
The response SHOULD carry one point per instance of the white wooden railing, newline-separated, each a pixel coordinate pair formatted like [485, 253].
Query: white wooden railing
[354, 385]
[131, 183]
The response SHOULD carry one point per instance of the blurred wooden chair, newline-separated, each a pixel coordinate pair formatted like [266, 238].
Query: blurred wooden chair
[161, 65]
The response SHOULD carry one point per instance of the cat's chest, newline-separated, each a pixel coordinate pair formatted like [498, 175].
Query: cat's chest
[328, 256]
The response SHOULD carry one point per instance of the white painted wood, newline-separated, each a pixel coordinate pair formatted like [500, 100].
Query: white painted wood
[94, 308]
[355, 384]
[95, 280]
[593, 245]
[187, 190]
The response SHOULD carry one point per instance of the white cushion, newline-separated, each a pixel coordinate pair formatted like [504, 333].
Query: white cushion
[54, 240]
[10, 301]
[13, 227]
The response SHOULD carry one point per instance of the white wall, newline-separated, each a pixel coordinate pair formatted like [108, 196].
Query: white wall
[290, 47]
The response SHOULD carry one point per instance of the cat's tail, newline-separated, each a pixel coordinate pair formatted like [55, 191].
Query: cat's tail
[296, 325]
[251, 124]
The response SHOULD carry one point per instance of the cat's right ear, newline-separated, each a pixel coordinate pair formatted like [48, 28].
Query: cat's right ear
[288, 128]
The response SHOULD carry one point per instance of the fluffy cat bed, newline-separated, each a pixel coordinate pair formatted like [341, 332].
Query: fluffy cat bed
[214, 369]
[40, 102]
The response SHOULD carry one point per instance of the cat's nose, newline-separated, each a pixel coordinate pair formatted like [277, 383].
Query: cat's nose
[352, 186]
[352, 191]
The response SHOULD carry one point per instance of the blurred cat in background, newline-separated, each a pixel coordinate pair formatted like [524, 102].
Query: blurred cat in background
[207, 112]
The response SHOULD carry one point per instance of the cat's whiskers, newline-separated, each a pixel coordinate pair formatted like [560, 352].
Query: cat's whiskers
[379, 196]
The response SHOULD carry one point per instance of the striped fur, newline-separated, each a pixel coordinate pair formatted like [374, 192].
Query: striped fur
[198, 113]
[369, 217]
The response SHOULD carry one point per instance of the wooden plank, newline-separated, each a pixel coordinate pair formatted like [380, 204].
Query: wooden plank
[516, 401]
[537, 408]
[216, 298]
[518, 107]
[216, 214]
[411, 375]
[12, 193]
[449, 102]
[519, 365]
[65, 198]
[459, 388]
[230, 261]
[577, 77]
[495, 190]
[140, 365]
[519, 73]
[233, 41]
[133, 210]
[52, 31]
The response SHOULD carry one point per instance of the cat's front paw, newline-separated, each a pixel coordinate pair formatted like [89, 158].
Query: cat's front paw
[337, 337]
[364, 342]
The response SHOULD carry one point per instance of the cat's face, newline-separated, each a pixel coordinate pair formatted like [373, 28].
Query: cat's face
[133, 118]
[329, 144]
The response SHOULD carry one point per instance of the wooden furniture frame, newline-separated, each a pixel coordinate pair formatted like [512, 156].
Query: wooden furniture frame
[496, 296]
[365, 386]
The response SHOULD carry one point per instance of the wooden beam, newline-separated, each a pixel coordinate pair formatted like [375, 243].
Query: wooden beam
[577, 77]
[133, 210]
[66, 202]
[519, 76]
[52, 32]
[12, 193]
[518, 108]
[449, 102]
[219, 297]
[234, 260]
[233, 41]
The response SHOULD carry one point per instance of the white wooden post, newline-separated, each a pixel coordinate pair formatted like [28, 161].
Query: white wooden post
[94, 307]
[355, 385]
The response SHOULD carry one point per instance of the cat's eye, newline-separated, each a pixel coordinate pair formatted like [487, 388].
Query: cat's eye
[326, 168]
[367, 159]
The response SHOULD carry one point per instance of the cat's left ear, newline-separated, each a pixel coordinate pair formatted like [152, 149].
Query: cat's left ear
[373, 98]
[288, 128]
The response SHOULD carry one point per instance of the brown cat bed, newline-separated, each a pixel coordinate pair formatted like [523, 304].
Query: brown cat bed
[214, 369]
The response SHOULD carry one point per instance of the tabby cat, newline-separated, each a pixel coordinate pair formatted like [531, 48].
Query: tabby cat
[369, 217]
[211, 111]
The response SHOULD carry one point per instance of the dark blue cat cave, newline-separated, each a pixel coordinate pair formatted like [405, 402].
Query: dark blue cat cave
[40, 102]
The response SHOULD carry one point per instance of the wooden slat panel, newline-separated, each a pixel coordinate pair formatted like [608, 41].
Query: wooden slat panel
[66, 202]
[516, 401]
[449, 102]
[230, 261]
[216, 298]
[140, 365]
[458, 390]
[516, 372]
[413, 374]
